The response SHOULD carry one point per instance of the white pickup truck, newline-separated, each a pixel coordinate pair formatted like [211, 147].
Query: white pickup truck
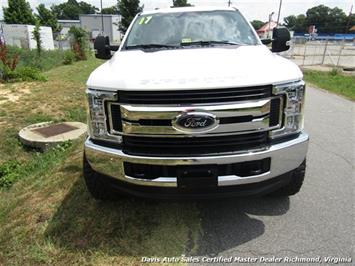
[192, 104]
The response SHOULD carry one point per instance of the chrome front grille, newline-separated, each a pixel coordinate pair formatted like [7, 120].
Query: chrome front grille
[148, 125]
[234, 118]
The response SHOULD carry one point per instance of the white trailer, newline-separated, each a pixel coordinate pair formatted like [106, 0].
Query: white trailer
[22, 36]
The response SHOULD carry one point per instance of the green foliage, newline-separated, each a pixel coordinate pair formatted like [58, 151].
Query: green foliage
[71, 9]
[69, 57]
[23, 74]
[36, 35]
[110, 10]
[47, 18]
[18, 12]
[48, 59]
[128, 10]
[257, 24]
[332, 81]
[79, 42]
[326, 20]
[12, 170]
[9, 173]
[296, 23]
[180, 3]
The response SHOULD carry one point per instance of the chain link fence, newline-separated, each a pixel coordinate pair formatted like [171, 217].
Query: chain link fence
[324, 52]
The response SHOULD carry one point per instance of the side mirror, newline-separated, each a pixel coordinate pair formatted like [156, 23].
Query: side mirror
[102, 47]
[281, 38]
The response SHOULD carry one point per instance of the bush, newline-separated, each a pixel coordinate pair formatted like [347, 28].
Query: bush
[69, 57]
[23, 74]
[79, 40]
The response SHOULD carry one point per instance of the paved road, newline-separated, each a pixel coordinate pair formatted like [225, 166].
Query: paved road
[318, 221]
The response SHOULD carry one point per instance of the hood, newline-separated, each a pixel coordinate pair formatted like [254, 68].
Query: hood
[196, 68]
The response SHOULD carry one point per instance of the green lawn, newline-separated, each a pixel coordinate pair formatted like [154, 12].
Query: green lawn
[332, 81]
[47, 216]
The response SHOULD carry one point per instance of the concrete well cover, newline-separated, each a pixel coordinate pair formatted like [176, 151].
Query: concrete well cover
[48, 134]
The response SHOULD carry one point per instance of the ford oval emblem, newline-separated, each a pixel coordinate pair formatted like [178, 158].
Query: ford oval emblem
[195, 122]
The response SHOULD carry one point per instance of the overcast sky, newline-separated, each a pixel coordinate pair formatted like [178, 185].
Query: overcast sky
[252, 9]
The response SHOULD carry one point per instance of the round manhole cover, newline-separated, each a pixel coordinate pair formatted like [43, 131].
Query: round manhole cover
[48, 134]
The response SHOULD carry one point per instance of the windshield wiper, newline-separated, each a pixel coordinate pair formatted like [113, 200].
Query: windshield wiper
[150, 46]
[209, 43]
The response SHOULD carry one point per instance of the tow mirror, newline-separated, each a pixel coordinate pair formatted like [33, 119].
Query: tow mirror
[102, 47]
[281, 40]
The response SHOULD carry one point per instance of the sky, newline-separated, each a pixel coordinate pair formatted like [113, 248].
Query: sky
[252, 9]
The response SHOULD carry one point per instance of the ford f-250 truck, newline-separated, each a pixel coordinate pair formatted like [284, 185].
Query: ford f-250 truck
[194, 105]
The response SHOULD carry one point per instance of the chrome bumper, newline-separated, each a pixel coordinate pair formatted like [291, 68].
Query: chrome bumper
[285, 156]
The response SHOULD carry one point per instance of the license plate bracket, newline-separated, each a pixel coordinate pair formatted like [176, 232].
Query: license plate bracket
[205, 176]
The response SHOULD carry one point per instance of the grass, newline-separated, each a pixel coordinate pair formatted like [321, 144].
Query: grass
[29, 58]
[47, 216]
[333, 82]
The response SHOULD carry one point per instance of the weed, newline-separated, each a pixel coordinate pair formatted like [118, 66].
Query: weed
[12, 170]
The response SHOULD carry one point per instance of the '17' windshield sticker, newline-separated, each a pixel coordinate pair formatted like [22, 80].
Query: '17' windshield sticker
[145, 20]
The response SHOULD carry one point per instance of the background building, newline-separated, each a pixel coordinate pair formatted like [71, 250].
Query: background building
[92, 23]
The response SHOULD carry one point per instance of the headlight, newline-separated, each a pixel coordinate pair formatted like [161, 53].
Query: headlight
[97, 118]
[293, 108]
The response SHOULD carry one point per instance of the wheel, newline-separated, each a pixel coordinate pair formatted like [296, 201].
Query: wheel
[292, 188]
[97, 184]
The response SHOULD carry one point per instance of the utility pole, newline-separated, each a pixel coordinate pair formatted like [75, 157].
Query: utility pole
[278, 15]
[102, 19]
[348, 24]
[270, 19]
[229, 2]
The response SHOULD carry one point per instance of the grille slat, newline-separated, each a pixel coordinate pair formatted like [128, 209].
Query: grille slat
[193, 146]
[195, 96]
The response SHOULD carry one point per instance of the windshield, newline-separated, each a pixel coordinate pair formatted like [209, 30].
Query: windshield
[190, 28]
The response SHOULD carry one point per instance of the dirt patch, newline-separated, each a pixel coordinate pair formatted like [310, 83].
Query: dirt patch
[14, 92]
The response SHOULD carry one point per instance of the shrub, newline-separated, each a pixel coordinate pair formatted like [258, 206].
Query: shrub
[9, 61]
[23, 74]
[69, 57]
[79, 42]
[30, 73]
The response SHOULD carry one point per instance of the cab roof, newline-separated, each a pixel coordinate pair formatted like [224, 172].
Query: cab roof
[187, 9]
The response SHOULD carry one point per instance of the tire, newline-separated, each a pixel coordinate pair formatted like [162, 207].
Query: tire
[292, 188]
[97, 184]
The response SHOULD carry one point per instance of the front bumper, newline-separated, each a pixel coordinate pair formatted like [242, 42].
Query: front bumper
[285, 157]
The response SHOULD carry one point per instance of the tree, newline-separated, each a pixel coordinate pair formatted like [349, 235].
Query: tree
[47, 18]
[326, 20]
[18, 12]
[257, 24]
[71, 9]
[86, 8]
[110, 10]
[180, 3]
[36, 35]
[128, 10]
[296, 23]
